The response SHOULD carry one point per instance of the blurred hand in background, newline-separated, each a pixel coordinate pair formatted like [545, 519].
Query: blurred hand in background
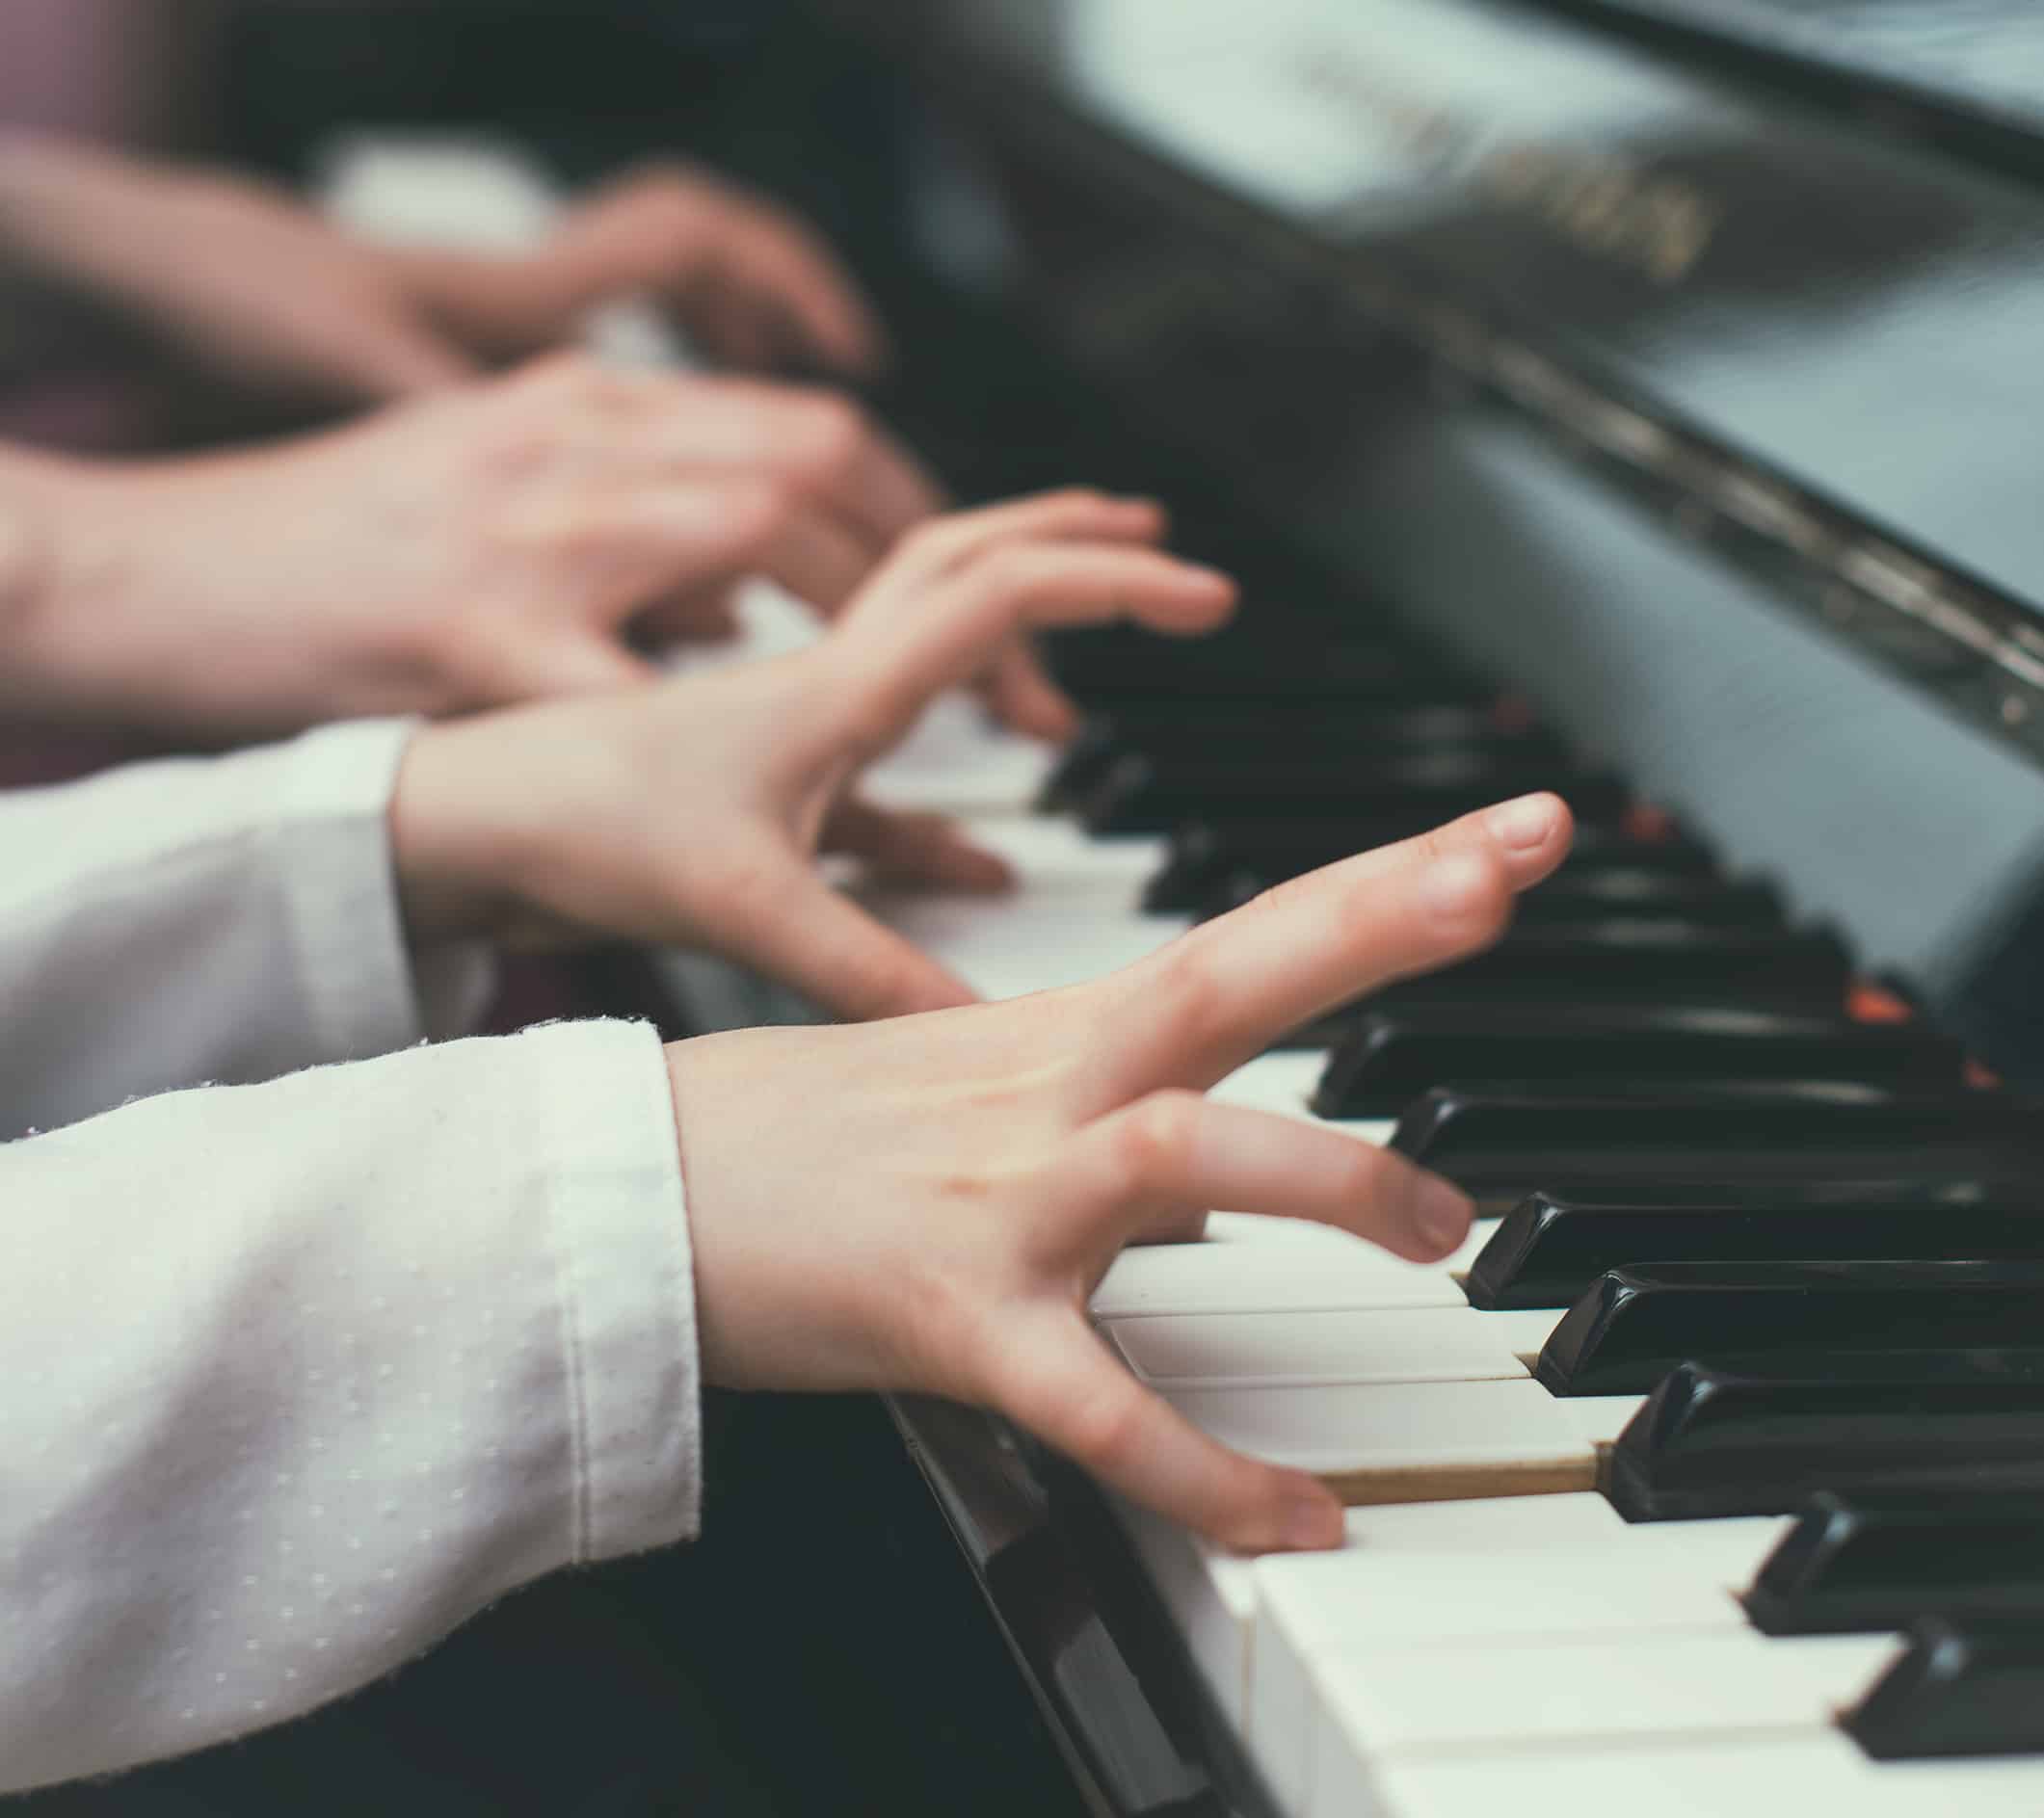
[246, 282]
[528, 536]
[688, 814]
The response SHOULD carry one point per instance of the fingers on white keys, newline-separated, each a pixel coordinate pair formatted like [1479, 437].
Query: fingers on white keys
[1176, 1152]
[926, 848]
[1020, 694]
[1052, 1376]
[1224, 993]
[796, 928]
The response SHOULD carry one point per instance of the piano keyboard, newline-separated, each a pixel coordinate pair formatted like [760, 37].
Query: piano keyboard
[1679, 1090]
[1658, 1122]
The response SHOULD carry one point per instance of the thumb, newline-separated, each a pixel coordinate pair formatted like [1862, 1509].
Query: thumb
[806, 934]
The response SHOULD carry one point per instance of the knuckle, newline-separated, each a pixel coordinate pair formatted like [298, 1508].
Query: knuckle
[830, 436]
[765, 504]
[1103, 1427]
[929, 542]
[1006, 572]
[1077, 499]
[1363, 1175]
[1153, 1135]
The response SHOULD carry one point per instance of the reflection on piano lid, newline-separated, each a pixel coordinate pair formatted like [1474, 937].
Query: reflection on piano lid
[1703, 415]
[1972, 74]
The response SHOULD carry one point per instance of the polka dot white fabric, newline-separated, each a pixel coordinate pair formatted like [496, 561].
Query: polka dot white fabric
[295, 1377]
[198, 920]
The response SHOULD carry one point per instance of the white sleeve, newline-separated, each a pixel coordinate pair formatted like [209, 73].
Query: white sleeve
[295, 1378]
[210, 919]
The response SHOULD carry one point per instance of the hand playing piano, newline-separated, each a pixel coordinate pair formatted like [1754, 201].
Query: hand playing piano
[246, 281]
[927, 1205]
[688, 813]
[514, 539]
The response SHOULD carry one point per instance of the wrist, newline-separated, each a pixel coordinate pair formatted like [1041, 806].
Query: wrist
[44, 656]
[452, 866]
[503, 305]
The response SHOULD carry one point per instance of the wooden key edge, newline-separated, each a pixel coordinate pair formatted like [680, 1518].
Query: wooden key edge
[1377, 1486]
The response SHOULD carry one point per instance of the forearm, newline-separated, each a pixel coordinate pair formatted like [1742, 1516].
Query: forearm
[210, 919]
[37, 678]
[299, 1377]
[56, 199]
[30, 297]
[73, 648]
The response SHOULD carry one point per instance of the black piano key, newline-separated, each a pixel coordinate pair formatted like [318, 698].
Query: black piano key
[1552, 1245]
[1144, 794]
[1388, 1057]
[1963, 1687]
[1501, 1142]
[1631, 1327]
[1208, 850]
[1297, 661]
[1716, 1442]
[1860, 1564]
[1634, 958]
[1168, 737]
[1594, 893]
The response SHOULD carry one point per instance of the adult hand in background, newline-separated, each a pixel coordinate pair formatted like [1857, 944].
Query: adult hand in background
[927, 1205]
[689, 813]
[508, 541]
[246, 281]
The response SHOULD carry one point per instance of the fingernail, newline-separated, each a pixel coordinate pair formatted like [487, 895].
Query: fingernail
[1523, 824]
[1455, 885]
[1440, 1213]
[1199, 570]
[1313, 1523]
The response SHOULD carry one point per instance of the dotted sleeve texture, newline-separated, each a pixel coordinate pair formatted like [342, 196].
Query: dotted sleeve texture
[201, 919]
[295, 1378]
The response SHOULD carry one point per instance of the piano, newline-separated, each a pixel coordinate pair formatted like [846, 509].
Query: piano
[1636, 398]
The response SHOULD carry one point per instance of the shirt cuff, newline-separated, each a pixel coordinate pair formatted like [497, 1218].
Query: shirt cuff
[627, 1284]
[366, 991]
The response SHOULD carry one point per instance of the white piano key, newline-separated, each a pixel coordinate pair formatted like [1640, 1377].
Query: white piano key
[1056, 853]
[1036, 937]
[1209, 1596]
[1265, 1279]
[1789, 1775]
[1504, 1524]
[1282, 1080]
[1254, 1227]
[1728, 1551]
[957, 761]
[1381, 1704]
[1600, 1418]
[1313, 1607]
[1212, 1350]
[1403, 1442]
[1722, 1553]
[1521, 1331]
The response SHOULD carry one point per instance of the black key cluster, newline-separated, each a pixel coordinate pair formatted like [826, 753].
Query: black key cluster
[1806, 1235]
